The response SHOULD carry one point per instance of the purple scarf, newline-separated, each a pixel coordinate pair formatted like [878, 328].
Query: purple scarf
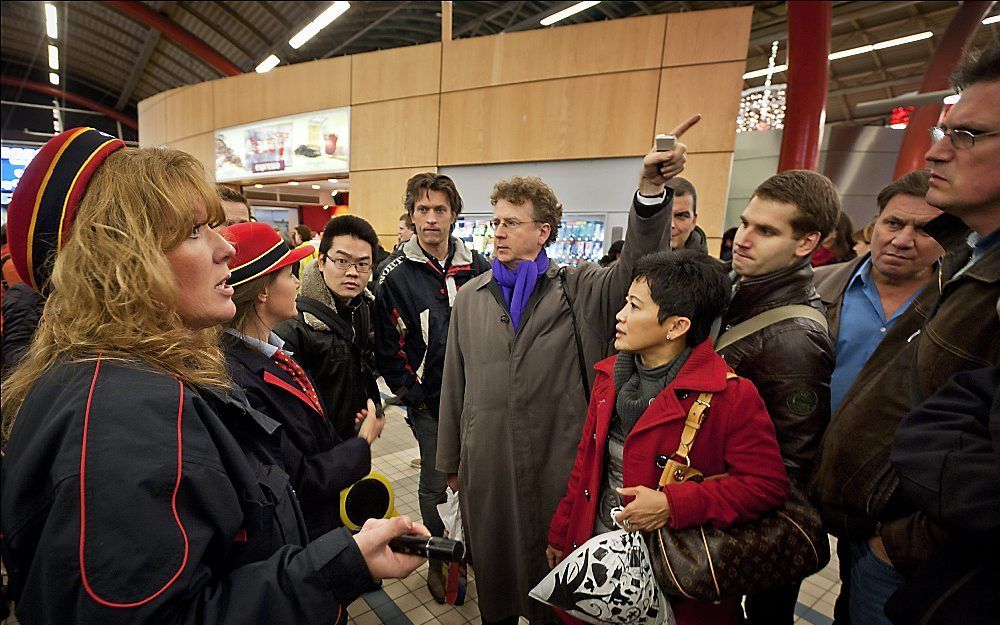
[517, 286]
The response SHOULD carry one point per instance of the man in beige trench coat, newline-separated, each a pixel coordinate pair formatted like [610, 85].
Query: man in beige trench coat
[512, 396]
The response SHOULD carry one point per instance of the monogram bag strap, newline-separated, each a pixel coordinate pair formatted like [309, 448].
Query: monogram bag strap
[675, 471]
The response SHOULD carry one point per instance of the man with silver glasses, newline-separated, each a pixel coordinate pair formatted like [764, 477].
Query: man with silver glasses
[523, 340]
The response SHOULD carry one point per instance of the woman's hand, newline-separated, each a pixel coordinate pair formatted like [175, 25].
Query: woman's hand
[647, 512]
[373, 541]
[371, 423]
[553, 555]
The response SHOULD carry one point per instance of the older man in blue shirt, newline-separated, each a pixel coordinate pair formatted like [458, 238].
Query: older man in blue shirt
[864, 298]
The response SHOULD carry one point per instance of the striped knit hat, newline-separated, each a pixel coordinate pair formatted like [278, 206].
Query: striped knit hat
[41, 213]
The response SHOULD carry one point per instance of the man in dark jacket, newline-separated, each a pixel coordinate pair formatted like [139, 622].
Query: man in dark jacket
[790, 361]
[953, 328]
[867, 296]
[332, 336]
[414, 293]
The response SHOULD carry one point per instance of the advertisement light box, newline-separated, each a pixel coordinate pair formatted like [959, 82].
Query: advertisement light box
[309, 144]
[15, 159]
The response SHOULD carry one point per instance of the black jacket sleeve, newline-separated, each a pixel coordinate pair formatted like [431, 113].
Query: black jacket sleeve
[22, 311]
[947, 454]
[391, 342]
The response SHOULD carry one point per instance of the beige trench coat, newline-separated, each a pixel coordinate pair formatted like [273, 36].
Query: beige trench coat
[513, 407]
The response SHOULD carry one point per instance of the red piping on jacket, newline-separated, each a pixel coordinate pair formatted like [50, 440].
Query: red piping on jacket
[83, 500]
[394, 319]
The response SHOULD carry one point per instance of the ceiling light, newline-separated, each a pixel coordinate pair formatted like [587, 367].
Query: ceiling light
[258, 186]
[952, 99]
[267, 64]
[993, 19]
[53, 57]
[846, 53]
[315, 186]
[334, 11]
[571, 10]
[54, 78]
[332, 180]
[294, 183]
[51, 23]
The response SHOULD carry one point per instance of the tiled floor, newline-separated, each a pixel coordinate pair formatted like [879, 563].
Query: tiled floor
[392, 455]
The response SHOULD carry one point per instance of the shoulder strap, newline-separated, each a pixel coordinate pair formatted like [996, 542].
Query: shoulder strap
[769, 317]
[675, 471]
[576, 334]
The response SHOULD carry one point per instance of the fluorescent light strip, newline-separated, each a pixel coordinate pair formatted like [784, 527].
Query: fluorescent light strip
[334, 11]
[572, 10]
[53, 57]
[54, 78]
[850, 52]
[267, 64]
[51, 21]
[993, 19]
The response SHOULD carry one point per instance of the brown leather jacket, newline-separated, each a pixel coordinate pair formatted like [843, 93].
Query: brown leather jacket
[790, 362]
[854, 480]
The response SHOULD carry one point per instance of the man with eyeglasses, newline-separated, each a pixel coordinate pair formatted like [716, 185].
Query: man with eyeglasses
[951, 327]
[415, 291]
[523, 341]
[332, 335]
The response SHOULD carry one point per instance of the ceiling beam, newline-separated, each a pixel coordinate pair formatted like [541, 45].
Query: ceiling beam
[477, 23]
[71, 97]
[366, 29]
[139, 68]
[778, 28]
[143, 14]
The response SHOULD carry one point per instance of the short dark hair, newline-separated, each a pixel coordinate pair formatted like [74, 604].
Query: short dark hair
[405, 217]
[813, 195]
[429, 181]
[229, 194]
[305, 232]
[686, 283]
[978, 66]
[683, 186]
[351, 225]
[915, 183]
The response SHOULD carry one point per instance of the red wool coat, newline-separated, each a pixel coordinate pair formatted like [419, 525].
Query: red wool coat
[737, 437]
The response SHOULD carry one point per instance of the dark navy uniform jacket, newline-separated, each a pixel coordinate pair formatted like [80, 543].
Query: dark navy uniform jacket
[129, 497]
[319, 462]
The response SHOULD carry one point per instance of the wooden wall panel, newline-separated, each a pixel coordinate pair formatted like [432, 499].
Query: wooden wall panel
[189, 111]
[396, 73]
[599, 116]
[707, 36]
[578, 50]
[377, 196]
[709, 173]
[285, 90]
[153, 122]
[396, 133]
[712, 90]
[201, 147]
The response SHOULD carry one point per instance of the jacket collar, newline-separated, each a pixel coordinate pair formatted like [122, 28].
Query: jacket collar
[462, 256]
[704, 371]
[551, 273]
[791, 285]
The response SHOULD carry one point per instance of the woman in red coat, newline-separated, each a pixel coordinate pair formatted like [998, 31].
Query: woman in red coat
[640, 401]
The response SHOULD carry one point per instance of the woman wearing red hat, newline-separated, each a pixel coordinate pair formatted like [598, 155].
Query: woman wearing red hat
[319, 462]
[136, 489]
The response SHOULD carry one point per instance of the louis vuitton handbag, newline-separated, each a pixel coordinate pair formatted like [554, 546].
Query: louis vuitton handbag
[705, 563]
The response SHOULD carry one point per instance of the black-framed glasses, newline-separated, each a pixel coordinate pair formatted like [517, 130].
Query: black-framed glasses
[512, 224]
[342, 264]
[960, 139]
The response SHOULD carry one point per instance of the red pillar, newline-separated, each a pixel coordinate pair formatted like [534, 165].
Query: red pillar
[808, 75]
[950, 48]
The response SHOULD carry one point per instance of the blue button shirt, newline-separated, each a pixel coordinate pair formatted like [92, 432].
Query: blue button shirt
[862, 327]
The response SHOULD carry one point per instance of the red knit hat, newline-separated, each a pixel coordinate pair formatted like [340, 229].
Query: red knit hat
[259, 251]
[42, 210]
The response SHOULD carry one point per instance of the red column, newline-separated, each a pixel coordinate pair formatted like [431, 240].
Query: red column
[950, 48]
[808, 75]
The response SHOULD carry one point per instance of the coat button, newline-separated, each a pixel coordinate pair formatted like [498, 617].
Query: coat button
[682, 395]
[586, 493]
[595, 437]
[504, 319]
[574, 545]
